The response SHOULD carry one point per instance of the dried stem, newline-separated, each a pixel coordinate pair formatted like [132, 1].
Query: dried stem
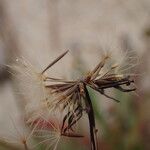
[25, 146]
[55, 61]
[93, 131]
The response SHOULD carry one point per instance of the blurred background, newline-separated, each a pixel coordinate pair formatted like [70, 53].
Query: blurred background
[40, 30]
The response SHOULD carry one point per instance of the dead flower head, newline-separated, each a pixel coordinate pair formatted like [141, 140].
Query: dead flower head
[74, 97]
[31, 85]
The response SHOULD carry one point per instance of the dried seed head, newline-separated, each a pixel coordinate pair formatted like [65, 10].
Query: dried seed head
[31, 84]
[19, 136]
[70, 98]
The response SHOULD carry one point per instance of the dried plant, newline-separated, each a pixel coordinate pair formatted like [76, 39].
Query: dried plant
[74, 97]
[30, 82]
[69, 98]
[48, 131]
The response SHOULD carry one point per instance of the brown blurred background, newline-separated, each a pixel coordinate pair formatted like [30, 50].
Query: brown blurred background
[40, 30]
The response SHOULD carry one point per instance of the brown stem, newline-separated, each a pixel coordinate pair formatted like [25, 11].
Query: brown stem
[93, 130]
[25, 145]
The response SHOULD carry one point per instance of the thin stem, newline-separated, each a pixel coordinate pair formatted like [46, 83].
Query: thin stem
[25, 146]
[55, 61]
[93, 131]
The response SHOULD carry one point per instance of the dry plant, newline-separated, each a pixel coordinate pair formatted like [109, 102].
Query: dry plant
[71, 99]
[74, 96]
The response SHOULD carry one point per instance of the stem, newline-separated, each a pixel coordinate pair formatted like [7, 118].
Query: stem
[25, 145]
[55, 61]
[93, 130]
